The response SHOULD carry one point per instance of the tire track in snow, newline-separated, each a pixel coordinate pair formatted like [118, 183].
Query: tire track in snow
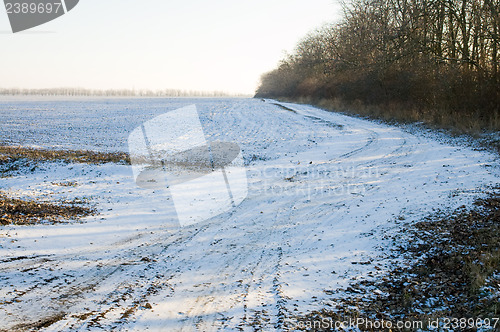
[199, 315]
[77, 287]
[236, 287]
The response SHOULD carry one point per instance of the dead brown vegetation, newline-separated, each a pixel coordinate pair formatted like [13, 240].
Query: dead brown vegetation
[9, 154]
[15, 211]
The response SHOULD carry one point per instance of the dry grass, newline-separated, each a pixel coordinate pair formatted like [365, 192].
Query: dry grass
[15, 211]
[13, 153]
[460, 123]
[463, 122]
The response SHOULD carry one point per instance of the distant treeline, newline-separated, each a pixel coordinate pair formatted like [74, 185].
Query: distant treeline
[413, 60]
[114, 93]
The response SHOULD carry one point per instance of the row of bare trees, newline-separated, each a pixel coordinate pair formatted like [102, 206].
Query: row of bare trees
[81, 92]
[438, 59]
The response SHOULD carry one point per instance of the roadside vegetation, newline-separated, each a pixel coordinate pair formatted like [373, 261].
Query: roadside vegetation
[435, 62]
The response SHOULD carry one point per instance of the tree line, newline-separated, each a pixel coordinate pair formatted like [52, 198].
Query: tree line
[419, 60]
[81, 92]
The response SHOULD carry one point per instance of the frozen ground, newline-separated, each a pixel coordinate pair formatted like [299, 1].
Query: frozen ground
[324, 191]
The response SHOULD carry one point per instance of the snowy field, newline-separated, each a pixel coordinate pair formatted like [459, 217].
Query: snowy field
[324, 191]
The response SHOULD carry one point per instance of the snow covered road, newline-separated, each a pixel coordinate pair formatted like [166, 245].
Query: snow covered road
[324, 191]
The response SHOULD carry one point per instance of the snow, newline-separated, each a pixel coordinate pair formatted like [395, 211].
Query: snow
[323, 190]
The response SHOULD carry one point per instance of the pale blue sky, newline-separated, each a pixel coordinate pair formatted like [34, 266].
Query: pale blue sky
[155, 44]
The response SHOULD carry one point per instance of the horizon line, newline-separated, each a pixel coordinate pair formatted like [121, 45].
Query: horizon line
[76, 91]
